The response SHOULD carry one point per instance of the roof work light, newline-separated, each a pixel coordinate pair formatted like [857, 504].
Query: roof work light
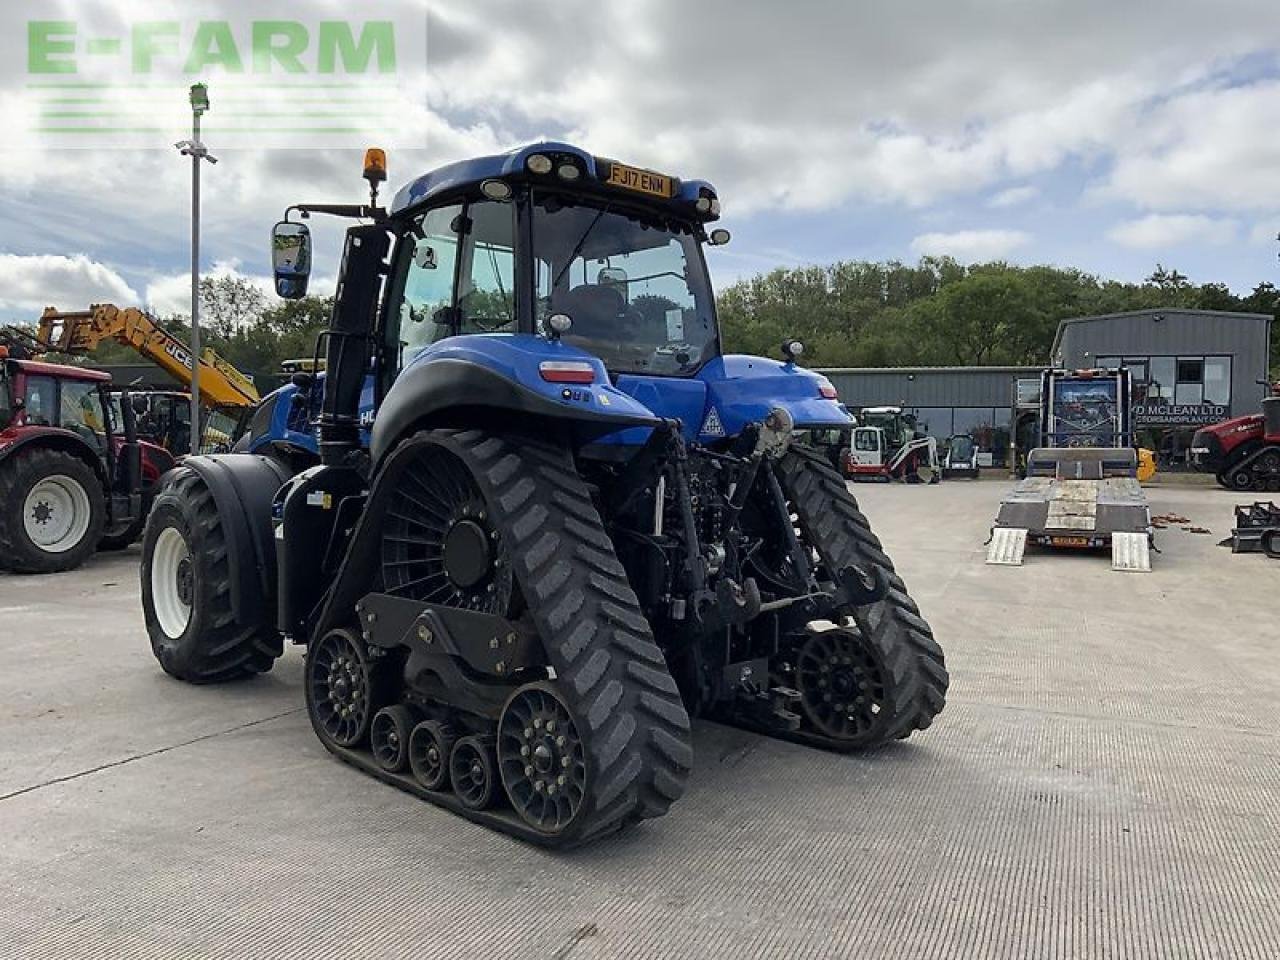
[375, 171]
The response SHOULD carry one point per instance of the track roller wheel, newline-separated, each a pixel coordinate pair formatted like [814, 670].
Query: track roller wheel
[430, 745]
[340, 688]
[842, 682]
[474, 772]
[389, 737]
[541, 758]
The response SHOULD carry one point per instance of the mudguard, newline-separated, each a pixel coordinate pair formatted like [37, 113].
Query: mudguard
[243, 487]
[428, 391]
[56, 438]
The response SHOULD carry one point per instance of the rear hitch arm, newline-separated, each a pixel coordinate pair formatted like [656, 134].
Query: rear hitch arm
[795, 550]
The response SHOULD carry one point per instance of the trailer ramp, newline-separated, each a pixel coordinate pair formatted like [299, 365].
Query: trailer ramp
[1076, 498]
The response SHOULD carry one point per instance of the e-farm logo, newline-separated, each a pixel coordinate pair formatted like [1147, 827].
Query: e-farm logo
[272, 83]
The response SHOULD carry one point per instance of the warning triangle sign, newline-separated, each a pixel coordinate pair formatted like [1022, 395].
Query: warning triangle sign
[712, 427]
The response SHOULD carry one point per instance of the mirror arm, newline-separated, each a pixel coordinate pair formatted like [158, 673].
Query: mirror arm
[355, 211]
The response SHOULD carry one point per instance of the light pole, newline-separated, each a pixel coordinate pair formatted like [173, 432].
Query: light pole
[197, 151]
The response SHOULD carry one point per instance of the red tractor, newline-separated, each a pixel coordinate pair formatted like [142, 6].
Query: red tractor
[70, 482]
[1243, 452]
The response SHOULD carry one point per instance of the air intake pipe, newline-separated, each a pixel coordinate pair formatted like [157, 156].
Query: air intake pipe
[348, 340]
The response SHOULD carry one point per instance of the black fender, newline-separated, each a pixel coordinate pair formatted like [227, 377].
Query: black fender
[243, 486]
[452, 392]
[56, 438]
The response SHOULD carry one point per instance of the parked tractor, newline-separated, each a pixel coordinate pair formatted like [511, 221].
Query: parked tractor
[576, 522]
[1243, 453]
[70, 482]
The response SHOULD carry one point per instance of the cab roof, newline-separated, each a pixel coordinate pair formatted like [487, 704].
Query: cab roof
[60, 370]
[465, 175]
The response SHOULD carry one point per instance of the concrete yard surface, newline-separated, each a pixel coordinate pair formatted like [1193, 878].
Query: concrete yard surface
[1104, 782]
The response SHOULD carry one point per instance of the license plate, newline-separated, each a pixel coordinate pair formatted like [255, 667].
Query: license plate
[641, 181]
[1070, 541]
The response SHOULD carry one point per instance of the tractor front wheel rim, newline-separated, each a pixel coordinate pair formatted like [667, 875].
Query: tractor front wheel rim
[172, 583]
[56, 513]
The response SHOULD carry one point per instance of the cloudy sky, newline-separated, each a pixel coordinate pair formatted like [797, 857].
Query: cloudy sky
[1101, 135]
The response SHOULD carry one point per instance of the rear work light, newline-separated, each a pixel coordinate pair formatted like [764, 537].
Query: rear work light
[566, 371]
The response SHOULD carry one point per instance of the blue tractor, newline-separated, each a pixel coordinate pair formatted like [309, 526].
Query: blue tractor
[561, 521]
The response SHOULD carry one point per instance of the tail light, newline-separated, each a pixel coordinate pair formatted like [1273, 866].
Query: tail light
[827, 391]
[566, 371]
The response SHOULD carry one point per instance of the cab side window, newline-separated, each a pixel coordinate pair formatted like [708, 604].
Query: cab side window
[486, 299]
[38, 401]
[475, 244]
[81, 412]
[428, 286]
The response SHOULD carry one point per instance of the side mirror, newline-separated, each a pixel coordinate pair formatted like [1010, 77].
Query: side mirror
[718, 237]
[139, 403]
[291, 258]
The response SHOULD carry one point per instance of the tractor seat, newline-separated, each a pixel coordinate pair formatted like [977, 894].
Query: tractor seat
[598, 312]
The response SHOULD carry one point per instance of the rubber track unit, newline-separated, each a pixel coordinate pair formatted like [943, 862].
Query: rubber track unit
[609, 671]
[223, 649]
[832, 523]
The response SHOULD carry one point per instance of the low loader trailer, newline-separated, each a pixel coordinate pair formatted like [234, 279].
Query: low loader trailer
[1081, 490]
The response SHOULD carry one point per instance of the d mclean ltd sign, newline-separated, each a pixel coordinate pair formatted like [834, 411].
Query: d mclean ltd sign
[1179, 414]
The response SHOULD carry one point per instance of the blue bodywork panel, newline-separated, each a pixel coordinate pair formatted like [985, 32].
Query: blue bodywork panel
[717, 403]
[516, 357]
[730, 392]
[289, 424]
[743, 389]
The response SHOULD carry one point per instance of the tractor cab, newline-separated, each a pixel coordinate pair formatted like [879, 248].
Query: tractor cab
[867, 448]
[557, 283]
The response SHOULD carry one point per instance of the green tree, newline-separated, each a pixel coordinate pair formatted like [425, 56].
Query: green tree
[229, 303]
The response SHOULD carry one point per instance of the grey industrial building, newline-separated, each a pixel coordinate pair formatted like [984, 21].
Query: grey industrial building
[1190, 367]
[947, 401]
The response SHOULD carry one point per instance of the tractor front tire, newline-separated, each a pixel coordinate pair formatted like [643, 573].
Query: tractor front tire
[52, 511]
[186, 591]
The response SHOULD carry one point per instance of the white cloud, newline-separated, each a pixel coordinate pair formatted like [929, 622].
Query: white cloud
[171, 293]
[1013, 196]
[30, 283]
[1265, 233]
[970, 245]
[858, 103]
[1159, 231]
[1211, 150]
